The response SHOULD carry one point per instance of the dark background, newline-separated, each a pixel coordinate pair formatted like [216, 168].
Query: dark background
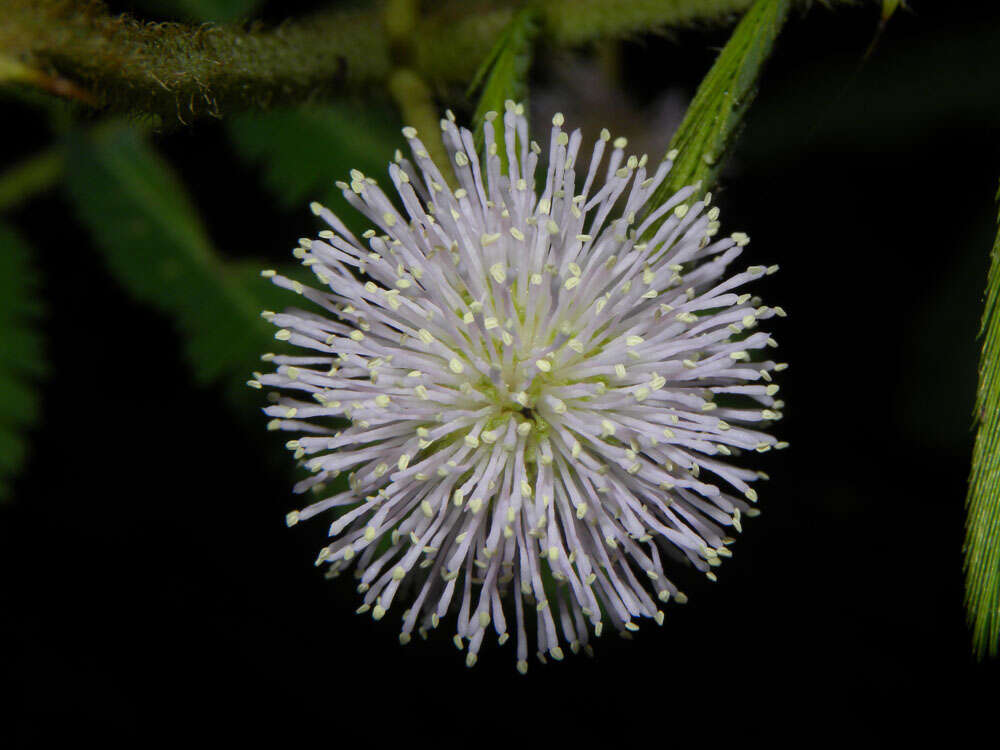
[152, 592]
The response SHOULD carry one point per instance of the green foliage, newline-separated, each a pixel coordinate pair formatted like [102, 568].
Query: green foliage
[704, 138]
[503, 74]
[154, 244]
[982, 540]
[21, 359]
[304, 151]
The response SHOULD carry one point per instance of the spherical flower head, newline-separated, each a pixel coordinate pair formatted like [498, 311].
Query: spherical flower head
[534, 396]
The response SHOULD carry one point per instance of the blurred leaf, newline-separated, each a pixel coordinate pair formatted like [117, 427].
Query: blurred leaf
[503, 74]
[29, 177]
[21, 359]
[304, 151]
[712, 121]
[982, 540]
[149, 233]
[221, 11]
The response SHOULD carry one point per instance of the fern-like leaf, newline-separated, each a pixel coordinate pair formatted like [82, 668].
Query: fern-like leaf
[21, 360]
[982, 540]
[708, 130]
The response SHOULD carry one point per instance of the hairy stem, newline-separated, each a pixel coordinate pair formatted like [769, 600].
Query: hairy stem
[185, 71]
[180, 71]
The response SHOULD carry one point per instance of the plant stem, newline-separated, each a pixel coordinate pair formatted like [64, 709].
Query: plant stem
[416, 105]
[181, 71]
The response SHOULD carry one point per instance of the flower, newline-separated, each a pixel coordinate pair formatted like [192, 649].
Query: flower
[536, 393]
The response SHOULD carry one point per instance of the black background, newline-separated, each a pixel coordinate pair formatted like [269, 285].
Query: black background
[154, 594]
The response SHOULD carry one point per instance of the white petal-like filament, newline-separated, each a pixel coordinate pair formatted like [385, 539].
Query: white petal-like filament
[542, 399]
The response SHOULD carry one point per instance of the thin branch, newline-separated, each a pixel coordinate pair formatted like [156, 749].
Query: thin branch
[416, 105]
[180, 71]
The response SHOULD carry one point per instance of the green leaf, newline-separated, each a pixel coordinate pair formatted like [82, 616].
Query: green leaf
[149, 233]
[708, 131]
[982, 526]
[21, 360]
[503, 75]
[303, 151]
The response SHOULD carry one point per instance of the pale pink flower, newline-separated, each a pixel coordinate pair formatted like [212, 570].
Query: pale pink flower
[543, 391]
